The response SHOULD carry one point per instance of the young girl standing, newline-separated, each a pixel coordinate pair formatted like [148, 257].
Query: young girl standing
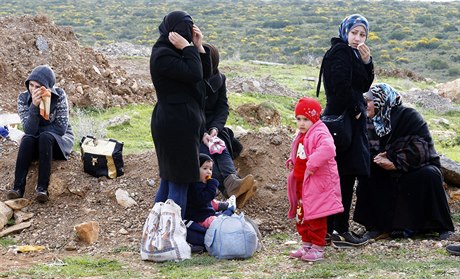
[313, 181]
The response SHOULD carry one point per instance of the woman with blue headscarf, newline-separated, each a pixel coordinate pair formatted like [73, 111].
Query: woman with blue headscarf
[178, 69]
[405, 190]
[348, 72]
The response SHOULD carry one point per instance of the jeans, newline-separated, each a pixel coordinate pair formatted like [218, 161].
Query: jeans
[30, 149]
[175, 191]
[223, 165]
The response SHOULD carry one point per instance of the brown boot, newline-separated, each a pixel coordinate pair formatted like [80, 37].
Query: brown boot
[241, 200]
[237, 186]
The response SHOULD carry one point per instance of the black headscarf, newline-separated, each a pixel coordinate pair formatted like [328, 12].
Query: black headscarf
[177, 21]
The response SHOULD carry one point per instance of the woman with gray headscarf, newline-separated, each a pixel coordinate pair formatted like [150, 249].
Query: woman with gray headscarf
[405, 190]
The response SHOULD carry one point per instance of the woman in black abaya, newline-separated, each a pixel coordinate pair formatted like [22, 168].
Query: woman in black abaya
[405, 190]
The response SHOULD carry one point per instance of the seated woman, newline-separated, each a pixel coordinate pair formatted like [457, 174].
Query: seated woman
[44, 114]
[216, 113]
[405, 190]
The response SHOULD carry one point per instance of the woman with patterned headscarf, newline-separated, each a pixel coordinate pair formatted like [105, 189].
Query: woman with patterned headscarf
[404, 191]
[348, 72]
[178, 69]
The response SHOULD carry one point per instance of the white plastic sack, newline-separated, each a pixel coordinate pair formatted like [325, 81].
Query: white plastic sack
[164, 234]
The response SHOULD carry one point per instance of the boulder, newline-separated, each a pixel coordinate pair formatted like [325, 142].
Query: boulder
[451, 171]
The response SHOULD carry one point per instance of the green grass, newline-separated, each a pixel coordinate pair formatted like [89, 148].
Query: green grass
[74, 267]
[6, 241]
[402, 261]
[135, 133]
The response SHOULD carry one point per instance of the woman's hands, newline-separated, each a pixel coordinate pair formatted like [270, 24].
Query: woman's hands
[365, 53]
[206, 138]
[382, 160]
[177, 40]
[36, 96]
[198, 39]
[180, 42]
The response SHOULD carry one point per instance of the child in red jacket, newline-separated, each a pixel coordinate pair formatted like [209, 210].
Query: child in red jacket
[313, 181]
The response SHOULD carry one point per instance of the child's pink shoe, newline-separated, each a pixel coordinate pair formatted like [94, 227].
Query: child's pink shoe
[315, 253]
[300, 252]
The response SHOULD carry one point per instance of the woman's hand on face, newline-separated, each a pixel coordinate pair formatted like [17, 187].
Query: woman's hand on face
[365, 53]
[198, 39]
[177, 40]
[36, 96]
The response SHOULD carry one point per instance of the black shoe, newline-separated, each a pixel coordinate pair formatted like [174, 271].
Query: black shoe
[347, 240]
[196, 249]
[453, 249]
[375, 235]
[14, 194]
[42, 195]
[445, 235]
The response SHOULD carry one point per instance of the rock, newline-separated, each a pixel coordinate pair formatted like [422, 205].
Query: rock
[15, 228]
[6, 210]
[3, 220]
[18, 204]
[88, 232]
[451, 171]
[450, 90]
[124, 199]
[21, 216]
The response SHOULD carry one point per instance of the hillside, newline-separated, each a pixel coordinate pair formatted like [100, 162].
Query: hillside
[421, 37]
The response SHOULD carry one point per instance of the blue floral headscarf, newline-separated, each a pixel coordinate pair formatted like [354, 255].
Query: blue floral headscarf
[351, 22]
[385, 98]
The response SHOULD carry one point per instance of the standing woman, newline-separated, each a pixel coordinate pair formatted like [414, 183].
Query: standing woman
[348, 72]
[48, 134]
[178, 69]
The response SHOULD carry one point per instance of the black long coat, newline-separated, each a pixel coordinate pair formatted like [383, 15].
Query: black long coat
[177, 124]
[346, 78]
[216, 109]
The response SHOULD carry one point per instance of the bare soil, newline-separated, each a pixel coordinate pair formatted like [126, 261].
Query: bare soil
[76, 197]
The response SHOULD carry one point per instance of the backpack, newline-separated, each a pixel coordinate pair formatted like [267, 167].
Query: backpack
[231, 237]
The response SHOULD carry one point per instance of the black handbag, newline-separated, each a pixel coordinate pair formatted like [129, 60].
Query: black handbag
[341, 129]
[102, 157]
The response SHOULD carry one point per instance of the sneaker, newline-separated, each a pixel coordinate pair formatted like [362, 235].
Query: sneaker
[347, 240]
[445, 235]
[375, 235]
[297, 254]
[313, 254]
[453, 249]
[42, 196]
[14, 194]
[232, 202]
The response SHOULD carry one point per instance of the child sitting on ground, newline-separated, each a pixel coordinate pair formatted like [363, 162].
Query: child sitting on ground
[313, 181]
[202, 207]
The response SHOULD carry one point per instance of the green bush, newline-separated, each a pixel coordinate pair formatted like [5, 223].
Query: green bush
[437, 64]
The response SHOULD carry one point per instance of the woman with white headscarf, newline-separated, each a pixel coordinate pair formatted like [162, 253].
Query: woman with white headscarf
[405, 190]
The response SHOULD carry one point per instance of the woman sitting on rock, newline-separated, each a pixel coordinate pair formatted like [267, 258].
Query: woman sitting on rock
[405, 190]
